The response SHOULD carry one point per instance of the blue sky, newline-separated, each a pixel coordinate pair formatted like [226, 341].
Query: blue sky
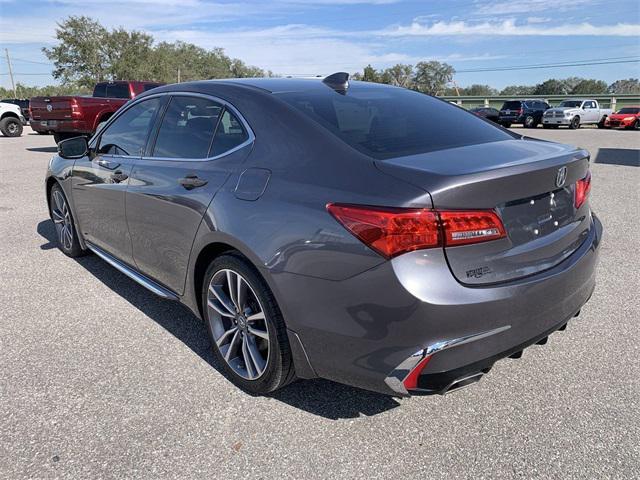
[308, 37]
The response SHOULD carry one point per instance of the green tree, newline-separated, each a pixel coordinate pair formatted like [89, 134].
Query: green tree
[79, 57]
[515, 90]
[589, 87]
[370, 74]
[551, 87]
[399, 75]
[432, 77]
[630, 85]
[477, 90]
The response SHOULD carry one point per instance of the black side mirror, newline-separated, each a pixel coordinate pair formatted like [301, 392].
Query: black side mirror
[76, 147]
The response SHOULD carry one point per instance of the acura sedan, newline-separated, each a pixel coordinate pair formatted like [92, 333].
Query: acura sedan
[357, 232]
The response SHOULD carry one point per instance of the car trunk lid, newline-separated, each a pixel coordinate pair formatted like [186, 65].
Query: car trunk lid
[518, 179]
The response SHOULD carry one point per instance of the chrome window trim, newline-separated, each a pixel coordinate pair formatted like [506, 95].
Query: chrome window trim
[219, 100]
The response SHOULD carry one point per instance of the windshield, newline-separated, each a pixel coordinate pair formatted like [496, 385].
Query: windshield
[629, 110]
[571, 103]
[386, 122]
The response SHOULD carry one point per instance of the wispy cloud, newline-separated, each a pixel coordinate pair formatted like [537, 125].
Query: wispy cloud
[511, 28]
[511, 7]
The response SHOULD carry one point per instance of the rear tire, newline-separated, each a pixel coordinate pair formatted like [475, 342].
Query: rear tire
[60, 213]
[11, 127]
[254, 354]
[575, 123]
[601, 122]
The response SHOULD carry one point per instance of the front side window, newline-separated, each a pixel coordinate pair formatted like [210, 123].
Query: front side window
[385, 122]
[187, 128]
[127, 135]
[229, 135]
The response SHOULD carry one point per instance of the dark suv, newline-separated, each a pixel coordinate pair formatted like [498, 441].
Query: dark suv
[525, 112]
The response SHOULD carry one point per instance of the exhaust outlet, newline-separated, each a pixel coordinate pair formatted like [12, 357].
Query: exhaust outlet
[463, 382]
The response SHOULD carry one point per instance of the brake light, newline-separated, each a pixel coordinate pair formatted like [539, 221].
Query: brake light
[583, 187]
[394, 231]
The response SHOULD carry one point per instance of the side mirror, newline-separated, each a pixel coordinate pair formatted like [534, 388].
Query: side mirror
[76, 147]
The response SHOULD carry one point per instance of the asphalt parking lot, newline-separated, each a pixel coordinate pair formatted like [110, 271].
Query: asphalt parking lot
[101, 379]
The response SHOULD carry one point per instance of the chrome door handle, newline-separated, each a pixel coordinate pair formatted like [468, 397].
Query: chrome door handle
[192, 181]
[107, 164]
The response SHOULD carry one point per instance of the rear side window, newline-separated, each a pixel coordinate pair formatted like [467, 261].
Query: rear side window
[127, 135]
[513, 105]
[229, 135]
[187, 128]
[118, 90]
[100, 90]
[386, 122]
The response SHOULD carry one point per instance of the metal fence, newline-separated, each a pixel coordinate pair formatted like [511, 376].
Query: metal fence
[614, 102]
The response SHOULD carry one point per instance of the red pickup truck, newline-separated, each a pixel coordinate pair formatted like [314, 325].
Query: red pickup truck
[72, 116]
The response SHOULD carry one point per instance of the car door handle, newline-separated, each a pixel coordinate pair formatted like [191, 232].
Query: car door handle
[107, 164]
[192, 181]
[118, 176]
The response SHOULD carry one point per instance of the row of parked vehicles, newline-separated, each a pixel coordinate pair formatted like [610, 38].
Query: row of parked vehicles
[569, 113]
[70, 116]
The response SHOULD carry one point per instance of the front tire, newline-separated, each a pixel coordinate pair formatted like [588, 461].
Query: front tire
[246, 327]
[60, 213]
[530, 122]
[11, 127]
[601, 123]
[575, 123]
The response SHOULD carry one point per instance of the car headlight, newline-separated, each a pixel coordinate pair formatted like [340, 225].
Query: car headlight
[568, 114]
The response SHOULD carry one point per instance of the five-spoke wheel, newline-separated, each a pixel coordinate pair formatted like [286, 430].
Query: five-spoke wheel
[62, 217]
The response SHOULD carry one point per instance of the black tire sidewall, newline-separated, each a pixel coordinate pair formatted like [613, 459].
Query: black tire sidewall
[76, 249]
[4, 127]
[279, 351]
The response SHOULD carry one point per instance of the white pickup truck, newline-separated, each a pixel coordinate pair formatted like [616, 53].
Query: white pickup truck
[573, 113]
[11, 120]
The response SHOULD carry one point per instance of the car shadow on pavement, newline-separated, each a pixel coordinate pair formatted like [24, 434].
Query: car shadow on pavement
[319, 397]
[627, 157]
[43, 149]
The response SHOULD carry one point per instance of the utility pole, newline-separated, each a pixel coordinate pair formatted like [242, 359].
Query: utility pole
[13, 83]
[178, 74]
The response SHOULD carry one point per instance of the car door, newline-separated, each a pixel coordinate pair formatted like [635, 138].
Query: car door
[101, 178]
[198, 143]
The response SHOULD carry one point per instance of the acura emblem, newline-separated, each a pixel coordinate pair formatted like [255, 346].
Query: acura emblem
[561, 177]
[49, 107]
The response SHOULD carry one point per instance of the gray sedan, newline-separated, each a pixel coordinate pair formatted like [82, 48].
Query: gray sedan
[358, 232]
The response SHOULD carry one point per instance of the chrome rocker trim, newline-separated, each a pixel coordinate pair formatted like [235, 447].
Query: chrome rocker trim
[133, 274]
[395, 378]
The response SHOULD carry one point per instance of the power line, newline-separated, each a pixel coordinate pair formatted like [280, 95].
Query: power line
[550, 65]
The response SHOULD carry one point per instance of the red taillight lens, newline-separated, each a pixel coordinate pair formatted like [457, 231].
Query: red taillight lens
[393, 231]
[583, 187]
[462, 228]
[389, 231]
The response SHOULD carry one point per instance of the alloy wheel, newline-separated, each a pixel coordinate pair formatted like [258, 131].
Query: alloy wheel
[238, 322]
[62, 219]
[12, 128]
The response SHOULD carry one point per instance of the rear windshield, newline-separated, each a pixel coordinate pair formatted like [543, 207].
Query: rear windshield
[513, 105]
[385, 122]
[629, 110]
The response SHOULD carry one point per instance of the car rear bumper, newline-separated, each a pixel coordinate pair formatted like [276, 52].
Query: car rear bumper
[366, 330]
[60, 126]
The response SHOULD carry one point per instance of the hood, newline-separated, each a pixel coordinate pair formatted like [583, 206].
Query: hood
[620, 116]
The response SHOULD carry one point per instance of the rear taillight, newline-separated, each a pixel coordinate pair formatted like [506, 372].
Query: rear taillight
[583, 187]
[75, 108]
[393, 231]
[462, 228]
